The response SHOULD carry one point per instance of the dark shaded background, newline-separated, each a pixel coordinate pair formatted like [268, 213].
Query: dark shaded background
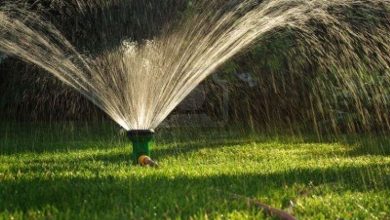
[285, 90]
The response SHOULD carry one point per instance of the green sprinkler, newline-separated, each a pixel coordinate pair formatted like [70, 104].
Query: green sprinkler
[142, 141]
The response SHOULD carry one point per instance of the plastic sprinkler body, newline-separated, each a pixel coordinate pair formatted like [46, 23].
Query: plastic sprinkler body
[142, 141]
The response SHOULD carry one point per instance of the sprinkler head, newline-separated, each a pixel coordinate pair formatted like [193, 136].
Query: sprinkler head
[142, 141]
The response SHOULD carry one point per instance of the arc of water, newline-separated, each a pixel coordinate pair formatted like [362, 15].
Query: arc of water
[138, 85]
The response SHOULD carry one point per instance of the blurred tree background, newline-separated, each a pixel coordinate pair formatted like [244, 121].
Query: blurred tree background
[294, 88]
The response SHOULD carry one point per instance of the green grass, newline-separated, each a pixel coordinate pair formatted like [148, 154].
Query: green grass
[73, 171]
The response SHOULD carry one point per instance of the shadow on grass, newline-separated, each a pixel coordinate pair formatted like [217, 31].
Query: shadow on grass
[159, 196]
[370, 144]
[26, 137]
[124, 156]
[38, 138]
[18, 138]
[26, 145]
[186, 148]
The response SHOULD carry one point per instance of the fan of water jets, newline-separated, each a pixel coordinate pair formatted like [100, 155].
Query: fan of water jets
[138, 85]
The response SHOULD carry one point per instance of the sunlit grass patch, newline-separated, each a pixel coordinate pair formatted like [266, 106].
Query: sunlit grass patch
[95, 178]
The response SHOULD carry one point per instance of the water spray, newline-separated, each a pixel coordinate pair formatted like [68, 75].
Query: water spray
[142, 141]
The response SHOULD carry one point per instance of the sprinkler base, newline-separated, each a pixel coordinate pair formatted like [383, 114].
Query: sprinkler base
[141, 141]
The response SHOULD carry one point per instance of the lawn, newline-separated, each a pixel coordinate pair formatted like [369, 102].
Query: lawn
[73, 171]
